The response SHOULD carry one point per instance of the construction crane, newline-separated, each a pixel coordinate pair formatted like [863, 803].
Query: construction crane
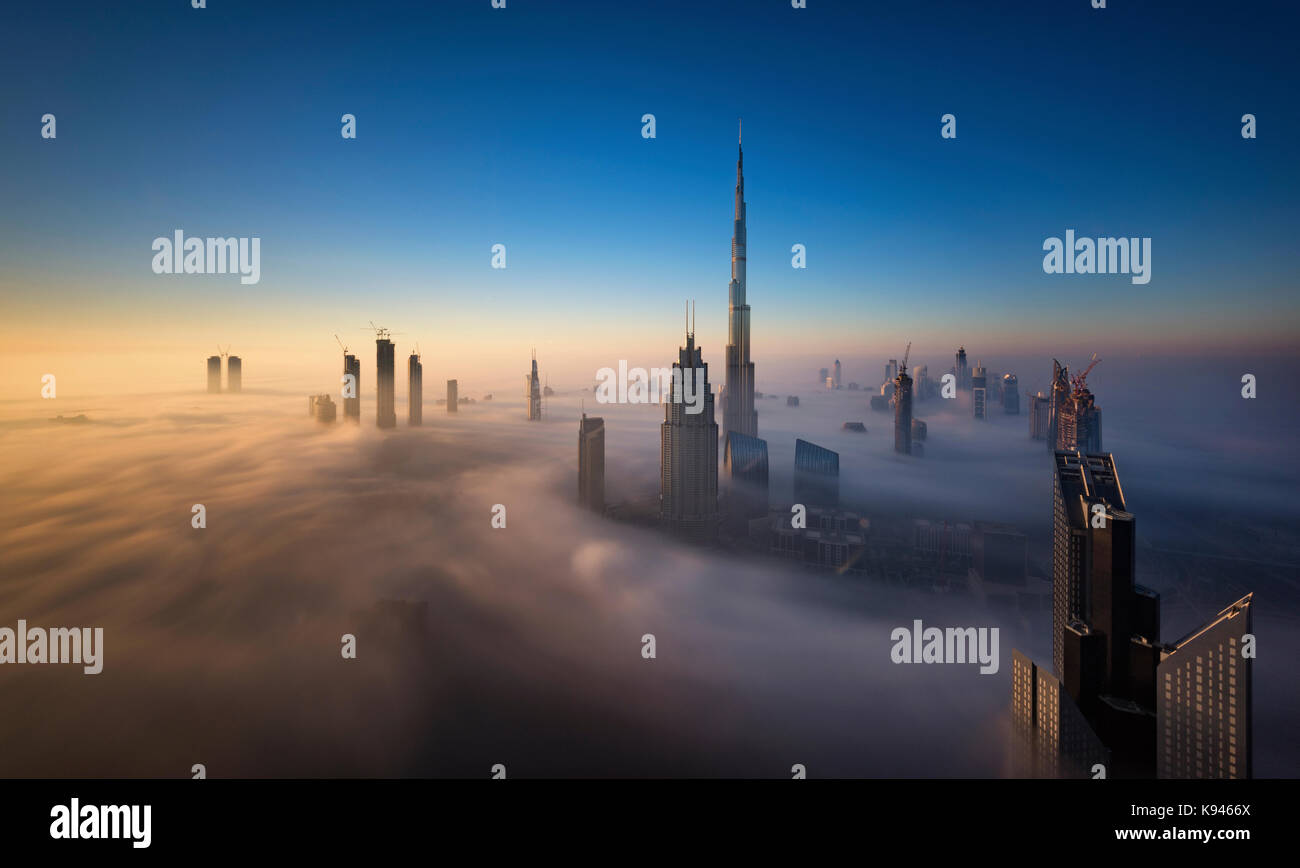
[223, 353]
[340, 340]
[381, 333]
[902, 369]
[1079, 381]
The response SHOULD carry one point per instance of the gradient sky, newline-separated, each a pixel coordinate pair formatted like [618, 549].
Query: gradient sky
[522, 126]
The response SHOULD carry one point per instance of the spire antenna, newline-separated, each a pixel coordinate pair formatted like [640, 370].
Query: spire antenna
[740, 137]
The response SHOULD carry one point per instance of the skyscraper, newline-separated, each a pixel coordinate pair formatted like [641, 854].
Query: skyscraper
[1074, 419]
[1057, 399]
[452, 397]
[979, 391]
[837, 373]
[533, 393]
[352, 405]
[688, 451]
[1203, 705]
[385, 412]
[903, 412]
[214, 373]
[234, 374]
[414, 390]
[591, 462]
[1010, 395]
[1077, 482]
[1180, 710]
[921, 386]
[961, 370]
[1053, 739]
[1038, 416]
[1085, 418]
[738, 396]
[816, 475]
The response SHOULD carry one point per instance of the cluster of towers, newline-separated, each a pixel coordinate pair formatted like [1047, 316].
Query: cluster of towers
[688, 445]
[234, 372]
[322, 407]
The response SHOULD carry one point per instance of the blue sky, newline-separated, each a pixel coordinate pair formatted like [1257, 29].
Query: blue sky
[522, 126]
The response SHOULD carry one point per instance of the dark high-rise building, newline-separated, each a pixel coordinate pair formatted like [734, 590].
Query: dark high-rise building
[214, 373]
[1078, 481]
[979, 391]
[452, 397]
[1010, 395]
[838, 371]
[234, 374]
[352, 406]
[738, 413]
[385, 405]
[591, 462]
[903, 412]
[414, 390]
[961, 370]
[1180, 710]
[688, 451]
[816, 475]
[533, 393]
[1203, 700]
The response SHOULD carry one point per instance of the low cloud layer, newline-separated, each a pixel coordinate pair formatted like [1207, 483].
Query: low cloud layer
[222, 644]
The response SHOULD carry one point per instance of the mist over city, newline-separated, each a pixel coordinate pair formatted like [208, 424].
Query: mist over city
[974, 457]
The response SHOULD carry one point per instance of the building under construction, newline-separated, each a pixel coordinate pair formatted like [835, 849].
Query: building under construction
[351, 388]
[414, 390]
[1074, 419]
[903, 407]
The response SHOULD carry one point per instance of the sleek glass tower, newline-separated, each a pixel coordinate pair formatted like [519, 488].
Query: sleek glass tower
[738, 412]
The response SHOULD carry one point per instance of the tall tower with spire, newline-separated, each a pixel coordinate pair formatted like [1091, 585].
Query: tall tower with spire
[738, 394]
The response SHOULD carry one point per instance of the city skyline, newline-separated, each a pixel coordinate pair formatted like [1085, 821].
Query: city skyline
[905, 232]
[853, 441]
